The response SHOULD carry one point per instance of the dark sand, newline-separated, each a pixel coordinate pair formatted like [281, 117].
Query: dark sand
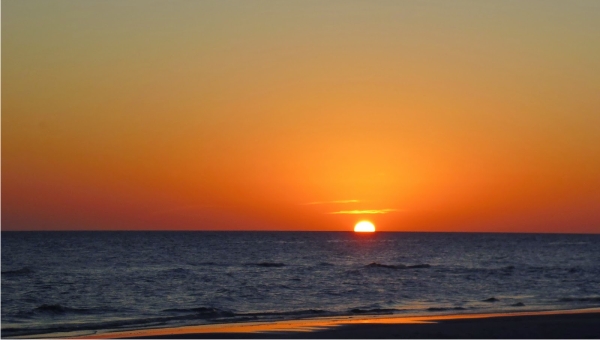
[556, 324]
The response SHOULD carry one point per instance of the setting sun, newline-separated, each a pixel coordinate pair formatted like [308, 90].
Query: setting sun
[364, 227]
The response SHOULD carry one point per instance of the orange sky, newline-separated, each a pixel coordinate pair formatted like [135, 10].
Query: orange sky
[289, 115]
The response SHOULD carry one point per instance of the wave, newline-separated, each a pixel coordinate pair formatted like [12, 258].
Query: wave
[22, 271]
[92, 326]
[189, 314]
[504, 269]
[492, 299]
[563, 243]
[416, 266]
[399, 266]
[389, 266]
[475, 273]
[211, 312]
[60, 309]
[442, 309]
[203, 312]
[555, 269]
[176, 272]
[266, 264]
[304, 312]
[373, 311]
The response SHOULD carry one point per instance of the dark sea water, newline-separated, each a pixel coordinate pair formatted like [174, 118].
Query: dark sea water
[86, 282]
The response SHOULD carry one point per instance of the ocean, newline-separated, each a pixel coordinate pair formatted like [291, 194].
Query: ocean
[78, 283]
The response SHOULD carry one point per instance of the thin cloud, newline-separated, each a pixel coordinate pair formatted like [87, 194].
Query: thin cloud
[360, 212]
[333, 202]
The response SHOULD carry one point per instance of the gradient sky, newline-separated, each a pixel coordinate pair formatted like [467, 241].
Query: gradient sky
[301, 115]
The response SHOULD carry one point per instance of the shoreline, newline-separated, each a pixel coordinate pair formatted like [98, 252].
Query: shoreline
[578, 323]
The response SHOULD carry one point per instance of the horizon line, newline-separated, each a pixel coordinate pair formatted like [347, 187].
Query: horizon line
[308, 231]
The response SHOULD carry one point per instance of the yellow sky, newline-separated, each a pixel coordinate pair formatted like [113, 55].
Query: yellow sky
[438, 115]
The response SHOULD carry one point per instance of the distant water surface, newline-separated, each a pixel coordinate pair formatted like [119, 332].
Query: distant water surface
[86, 282]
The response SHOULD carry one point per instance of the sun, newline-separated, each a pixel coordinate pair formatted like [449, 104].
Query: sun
[364, 227]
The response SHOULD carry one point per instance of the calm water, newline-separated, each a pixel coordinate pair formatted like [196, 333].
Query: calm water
[94, 281]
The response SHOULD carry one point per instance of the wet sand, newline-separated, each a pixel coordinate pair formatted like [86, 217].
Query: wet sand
[549, 324]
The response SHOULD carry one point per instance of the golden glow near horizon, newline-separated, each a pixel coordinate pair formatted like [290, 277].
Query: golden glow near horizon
[301, 115]
[364, 227]
[363, 212]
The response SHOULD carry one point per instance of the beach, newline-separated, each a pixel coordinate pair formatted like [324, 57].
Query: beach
[546, 324]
